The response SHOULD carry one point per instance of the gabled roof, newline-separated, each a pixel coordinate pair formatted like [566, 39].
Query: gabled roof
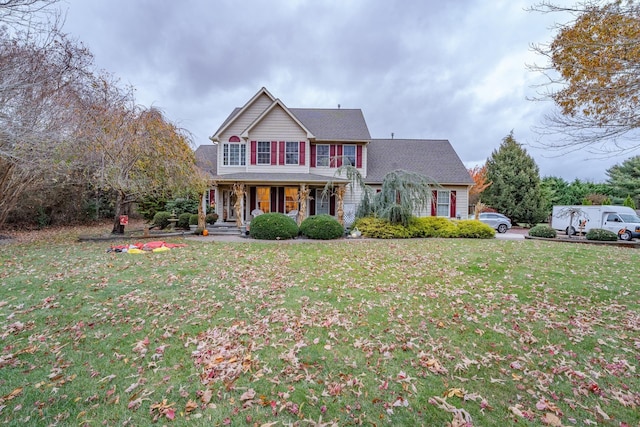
[434, 158]
[276, 103]
[237, 111]
[334, 124]
[207, 158]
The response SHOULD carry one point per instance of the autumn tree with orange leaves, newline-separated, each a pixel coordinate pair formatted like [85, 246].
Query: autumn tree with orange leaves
[479, 176]
[593, 71]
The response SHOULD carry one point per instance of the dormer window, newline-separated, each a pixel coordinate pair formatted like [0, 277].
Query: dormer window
[234, 153]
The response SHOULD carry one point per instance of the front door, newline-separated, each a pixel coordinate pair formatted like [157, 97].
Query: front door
[229, 205]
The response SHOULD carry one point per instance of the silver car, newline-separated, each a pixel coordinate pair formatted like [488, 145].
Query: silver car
[496, 220]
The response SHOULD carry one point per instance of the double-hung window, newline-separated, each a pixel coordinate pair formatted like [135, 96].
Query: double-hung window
[263, 199]
[290, 199]
[291, 153]
[322, 155]
[349, 154]
[234, 154]
[444, 198]
[264, 152]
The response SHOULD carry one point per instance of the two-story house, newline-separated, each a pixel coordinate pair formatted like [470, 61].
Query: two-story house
[267, 157]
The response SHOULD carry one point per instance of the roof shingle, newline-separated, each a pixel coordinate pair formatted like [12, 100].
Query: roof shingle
[434, 158]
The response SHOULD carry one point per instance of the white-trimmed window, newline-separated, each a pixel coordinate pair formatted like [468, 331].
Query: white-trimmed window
[322, 204]
[322, 155]
[264, 153]
[291, 152]
[234, 154]
[263, 199]
[349, 154]
[444, 200]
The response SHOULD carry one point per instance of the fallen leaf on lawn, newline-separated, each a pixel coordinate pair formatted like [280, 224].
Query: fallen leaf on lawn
[458, 392]
[602, 413]
[190, 406]
[248, 395]
[206, 396]
[551, 420]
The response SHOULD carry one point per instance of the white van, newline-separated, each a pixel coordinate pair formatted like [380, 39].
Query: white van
[619, 219]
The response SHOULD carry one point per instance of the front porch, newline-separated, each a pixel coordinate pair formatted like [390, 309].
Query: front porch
[238, 202]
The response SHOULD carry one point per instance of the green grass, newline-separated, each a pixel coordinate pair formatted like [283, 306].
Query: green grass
[347, 332]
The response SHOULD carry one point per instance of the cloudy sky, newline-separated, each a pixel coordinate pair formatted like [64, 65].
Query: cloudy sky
[451, 69]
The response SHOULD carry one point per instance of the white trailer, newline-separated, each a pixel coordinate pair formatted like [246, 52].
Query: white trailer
[581, 218]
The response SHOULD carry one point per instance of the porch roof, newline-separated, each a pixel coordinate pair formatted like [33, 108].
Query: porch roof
[275, 178]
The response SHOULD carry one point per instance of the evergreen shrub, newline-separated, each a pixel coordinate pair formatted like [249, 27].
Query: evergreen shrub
[273, 226]
[474, 229]
[183, 220]
[377, 228]
[161, 219]
[601, 235]
[542, 230]
[321, 227]
[211, 218]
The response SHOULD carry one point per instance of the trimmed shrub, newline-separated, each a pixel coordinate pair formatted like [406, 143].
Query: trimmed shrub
[273, 226]
[161, 219]
[211, 218]
[542, 230]
[474, 229]
[432, 226]
[601, 235]
[193, 219]
[183, 220]
[322, 227]
[377, 228]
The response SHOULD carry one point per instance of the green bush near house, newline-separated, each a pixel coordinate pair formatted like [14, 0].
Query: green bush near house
[432, 226]
[474, 229]
[193, 219]
[211, 218]
[273, 226]
[183, 220]
[422, 227]
[182, 205]
[542, 230]
[161, 219]
[321, 227]
[377, 228]
[601, 235]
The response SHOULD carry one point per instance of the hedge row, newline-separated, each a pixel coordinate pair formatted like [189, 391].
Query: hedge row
[424, 227]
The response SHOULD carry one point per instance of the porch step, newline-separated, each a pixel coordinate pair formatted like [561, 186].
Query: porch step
[224, 229]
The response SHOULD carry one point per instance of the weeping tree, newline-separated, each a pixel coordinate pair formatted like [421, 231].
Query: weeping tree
[402, 194]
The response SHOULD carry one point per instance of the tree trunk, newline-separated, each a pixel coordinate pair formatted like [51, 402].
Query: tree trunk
[119, 209]
[201, 215]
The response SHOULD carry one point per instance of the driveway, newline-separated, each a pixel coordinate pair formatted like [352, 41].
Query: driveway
[515, 233]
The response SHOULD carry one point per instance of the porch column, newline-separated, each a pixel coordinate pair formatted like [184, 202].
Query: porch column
[340, 191]
[304, 195]
[238, 191]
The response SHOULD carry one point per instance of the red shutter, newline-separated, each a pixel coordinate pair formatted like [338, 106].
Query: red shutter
[312, 205]
[282, 152]
[332, 156]
[281, 200]
[254, 149]
[274, 199]
[274, 152]
[452, 205]
[302, 153]
[434, 203]
[212, 197]
[252, 198]
[312, 157]
[359, 156]
[332, 205]
[339, 155]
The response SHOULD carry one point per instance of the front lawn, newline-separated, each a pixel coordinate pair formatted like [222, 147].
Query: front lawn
[416, 332]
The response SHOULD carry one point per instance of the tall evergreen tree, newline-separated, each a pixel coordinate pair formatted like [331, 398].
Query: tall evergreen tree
[516, 190]
[625, 179]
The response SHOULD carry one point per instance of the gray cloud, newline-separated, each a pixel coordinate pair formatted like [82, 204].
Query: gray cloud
[420, 69]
